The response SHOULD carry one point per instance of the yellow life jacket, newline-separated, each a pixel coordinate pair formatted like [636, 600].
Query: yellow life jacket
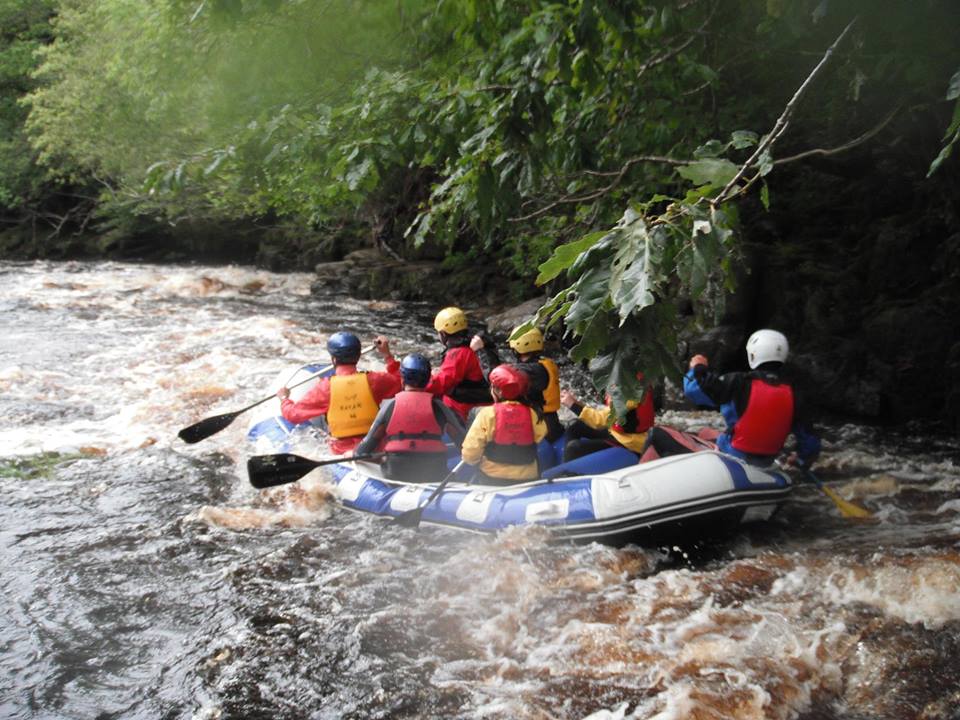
[352, 406]
[551, 395]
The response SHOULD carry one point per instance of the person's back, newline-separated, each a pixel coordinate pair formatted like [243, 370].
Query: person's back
[410, 428]
[349, 400]
[352, 406]
[544, 377]
[593, 430]
[502, 440]
[460, 377]
[761, 407]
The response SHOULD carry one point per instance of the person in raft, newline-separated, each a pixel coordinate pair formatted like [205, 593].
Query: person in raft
[760, 407]
[542, 373]
[349, 399]
[409, 428]
[459, 378]
[590, 432]
[503, 438]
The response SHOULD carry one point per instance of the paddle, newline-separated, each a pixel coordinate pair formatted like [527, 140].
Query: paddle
[847, 509]
[267, 471]
[411, 518]
[212, 425]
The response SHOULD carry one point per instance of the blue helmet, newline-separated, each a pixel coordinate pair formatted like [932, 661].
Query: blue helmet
[415, 370]
[344, 347]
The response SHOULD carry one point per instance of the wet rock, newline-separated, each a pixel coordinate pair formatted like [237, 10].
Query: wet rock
[368, 274]
[502, 323]
[723, 346]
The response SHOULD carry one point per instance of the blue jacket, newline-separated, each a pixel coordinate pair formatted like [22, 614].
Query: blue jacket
[730, 393]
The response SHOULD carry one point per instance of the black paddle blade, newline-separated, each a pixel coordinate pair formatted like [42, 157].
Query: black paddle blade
[410, 518]
[207, 427]
[271, 470]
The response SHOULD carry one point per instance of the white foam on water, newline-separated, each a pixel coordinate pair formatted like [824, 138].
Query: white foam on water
[919, 590]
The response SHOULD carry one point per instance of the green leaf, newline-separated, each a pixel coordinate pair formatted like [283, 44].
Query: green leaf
[616, 373]
[710, 149]
[630, 243]
[765, 195]
[954, 124]
[547, 312]
[741, 139]
[631, 284]
[358, 173]
[944, 154]
[593, 339]
[953, 89]
[593, 256]
[565, 255]
[590, 296]
[713, 171]
[765, 163]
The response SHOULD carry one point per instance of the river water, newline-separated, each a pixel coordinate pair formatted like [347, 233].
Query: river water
[144, 578]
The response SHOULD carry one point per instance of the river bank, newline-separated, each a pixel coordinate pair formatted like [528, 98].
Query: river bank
[873, 352]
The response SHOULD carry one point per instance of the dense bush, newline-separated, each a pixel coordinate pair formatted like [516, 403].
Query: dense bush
[601, 148]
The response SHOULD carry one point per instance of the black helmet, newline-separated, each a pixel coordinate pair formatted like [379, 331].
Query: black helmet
[415, 370]
[344, 347]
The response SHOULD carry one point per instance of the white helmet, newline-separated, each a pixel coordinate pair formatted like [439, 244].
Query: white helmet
[767, 346]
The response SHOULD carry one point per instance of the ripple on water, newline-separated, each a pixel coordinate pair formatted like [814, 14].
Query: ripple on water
[144, 578]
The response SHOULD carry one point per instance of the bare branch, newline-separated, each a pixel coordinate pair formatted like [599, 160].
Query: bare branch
[617, 176]
[673, 52]
[782, 122]
[842, 148]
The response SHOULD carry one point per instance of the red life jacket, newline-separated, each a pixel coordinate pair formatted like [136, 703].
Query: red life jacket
[765, 424]
[641, 418]
[413, 428]
[513, 440]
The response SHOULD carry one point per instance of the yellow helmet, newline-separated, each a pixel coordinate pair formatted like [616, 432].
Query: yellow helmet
[530, 341]
[450, 320]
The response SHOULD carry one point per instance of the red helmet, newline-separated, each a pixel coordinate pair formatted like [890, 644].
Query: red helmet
[508, 381]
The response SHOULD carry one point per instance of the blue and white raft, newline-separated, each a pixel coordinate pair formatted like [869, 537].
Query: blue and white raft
[267, 429]
[702, 493]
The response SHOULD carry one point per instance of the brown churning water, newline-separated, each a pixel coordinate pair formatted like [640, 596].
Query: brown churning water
[144, 578]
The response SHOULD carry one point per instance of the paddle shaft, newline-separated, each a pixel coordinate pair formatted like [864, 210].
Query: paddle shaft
[411, 518]
[266, 471]
[846, 508]
[210, 426]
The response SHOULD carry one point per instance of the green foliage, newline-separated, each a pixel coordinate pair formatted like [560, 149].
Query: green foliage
[952, 136]
[622, 303]
[25, 29]
[170, 91]
[581, 143]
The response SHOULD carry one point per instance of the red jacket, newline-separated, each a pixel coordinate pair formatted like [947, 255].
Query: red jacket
[316, 402]
[459, 364]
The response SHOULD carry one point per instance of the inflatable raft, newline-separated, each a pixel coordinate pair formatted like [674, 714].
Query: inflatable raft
[702, 493]
[268, 430]
[605, 496]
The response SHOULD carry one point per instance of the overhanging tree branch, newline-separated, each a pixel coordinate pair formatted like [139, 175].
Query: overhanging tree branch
[783, 122]
[825, 152]
[617, 176]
